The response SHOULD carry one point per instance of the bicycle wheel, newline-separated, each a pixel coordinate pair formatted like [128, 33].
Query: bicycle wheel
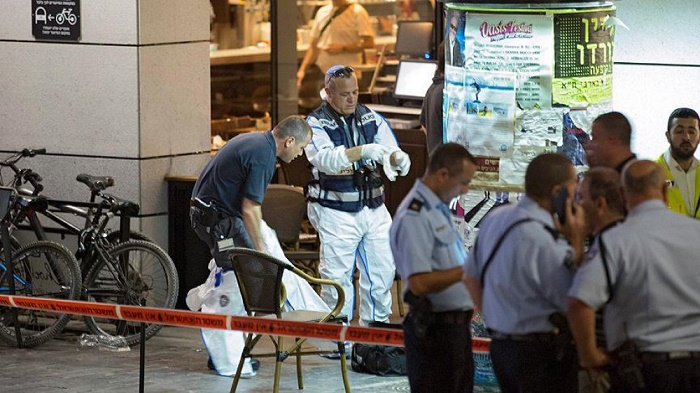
[41, 269]
[114, 238]
[136, 273]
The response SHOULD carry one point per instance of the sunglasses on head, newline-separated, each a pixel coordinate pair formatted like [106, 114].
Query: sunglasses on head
[344, 72]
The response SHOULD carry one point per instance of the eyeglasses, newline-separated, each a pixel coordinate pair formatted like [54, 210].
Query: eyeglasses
[345, 72]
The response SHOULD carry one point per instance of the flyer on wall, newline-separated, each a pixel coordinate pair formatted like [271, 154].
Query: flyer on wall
[521, 44]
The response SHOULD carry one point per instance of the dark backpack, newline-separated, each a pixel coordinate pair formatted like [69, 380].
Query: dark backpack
[379, 359]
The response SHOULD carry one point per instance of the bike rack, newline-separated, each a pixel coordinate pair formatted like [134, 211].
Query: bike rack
[5, 199]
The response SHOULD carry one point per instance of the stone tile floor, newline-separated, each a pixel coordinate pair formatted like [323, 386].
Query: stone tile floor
[176, 361]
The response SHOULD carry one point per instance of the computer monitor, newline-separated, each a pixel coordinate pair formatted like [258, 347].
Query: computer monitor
[414, 39]
[413, 78]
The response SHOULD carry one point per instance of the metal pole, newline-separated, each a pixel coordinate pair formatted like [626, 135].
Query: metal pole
[7, 247]
[142, 355]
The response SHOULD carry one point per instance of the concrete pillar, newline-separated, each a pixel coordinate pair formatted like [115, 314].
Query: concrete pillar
[130, 99]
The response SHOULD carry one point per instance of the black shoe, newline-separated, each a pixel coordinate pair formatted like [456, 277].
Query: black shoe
[255, 364]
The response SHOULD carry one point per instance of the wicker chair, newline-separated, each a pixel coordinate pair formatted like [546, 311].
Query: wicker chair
[259, 277]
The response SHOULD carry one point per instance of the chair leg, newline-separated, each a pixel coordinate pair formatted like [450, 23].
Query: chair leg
[278, 364]
[399, 294]
[300, 376]
[344, 367]
[237, 377]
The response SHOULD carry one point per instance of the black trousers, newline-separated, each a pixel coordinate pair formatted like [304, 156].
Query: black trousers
[442, 360]
[672, 376]
[225, 228]
[532, 367]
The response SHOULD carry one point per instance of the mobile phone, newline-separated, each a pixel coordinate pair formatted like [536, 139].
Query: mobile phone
[559, 202]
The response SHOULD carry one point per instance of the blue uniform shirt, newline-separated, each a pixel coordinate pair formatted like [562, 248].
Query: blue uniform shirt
[424, 239]
[242, 168]
[529, 276]
[655, 272]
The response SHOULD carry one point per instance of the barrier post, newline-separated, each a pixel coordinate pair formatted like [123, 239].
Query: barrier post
[142, 354]
[7, 247]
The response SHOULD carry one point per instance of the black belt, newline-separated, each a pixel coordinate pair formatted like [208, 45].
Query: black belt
[458, 317]
[529, 337]
[652, 357]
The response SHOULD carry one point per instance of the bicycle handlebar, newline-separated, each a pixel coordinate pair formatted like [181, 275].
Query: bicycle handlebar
[32, 153]
[21, 154]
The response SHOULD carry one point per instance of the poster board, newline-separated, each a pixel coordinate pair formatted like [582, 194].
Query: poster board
[520, 82]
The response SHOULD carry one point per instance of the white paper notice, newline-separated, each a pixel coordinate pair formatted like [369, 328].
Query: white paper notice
[522, 44]
[490, 112]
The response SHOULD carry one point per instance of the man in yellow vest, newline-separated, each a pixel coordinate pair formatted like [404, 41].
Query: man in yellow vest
[679, 163]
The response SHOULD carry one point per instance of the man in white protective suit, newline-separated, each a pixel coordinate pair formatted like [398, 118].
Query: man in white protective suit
[346, 195]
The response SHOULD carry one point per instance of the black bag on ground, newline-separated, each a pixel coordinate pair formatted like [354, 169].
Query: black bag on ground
[379, 359]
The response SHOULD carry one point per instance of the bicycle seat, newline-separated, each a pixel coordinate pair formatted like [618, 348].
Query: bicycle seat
[96, 183]
[123, 206]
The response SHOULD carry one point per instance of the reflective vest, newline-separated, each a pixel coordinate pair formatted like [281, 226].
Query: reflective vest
[349, 191]
[674, 197]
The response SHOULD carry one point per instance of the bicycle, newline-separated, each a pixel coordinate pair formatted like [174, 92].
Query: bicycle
[115, 270]
[39, 269]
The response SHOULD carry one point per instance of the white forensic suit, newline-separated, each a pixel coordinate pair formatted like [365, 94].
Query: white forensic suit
[352, 220]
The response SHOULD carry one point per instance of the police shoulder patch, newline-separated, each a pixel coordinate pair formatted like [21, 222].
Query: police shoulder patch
[415, 205]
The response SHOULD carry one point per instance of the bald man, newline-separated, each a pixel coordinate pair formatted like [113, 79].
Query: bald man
[647, 276]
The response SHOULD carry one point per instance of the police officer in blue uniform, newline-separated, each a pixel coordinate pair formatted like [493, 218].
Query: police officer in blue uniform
[226, 204]
[518, 274]
[648, 276]
[429, 254]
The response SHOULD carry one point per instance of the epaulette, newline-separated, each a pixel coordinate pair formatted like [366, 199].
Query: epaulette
[415, 205]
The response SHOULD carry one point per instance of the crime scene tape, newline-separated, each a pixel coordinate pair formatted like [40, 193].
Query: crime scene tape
[193, 319]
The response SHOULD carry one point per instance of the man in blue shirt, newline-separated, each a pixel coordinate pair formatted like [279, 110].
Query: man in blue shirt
[226, 201]
[429, 255]
[518, 274]
[226, 212]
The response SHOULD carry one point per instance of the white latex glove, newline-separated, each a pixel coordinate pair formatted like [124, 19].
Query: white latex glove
[403, 162]
[373, 151]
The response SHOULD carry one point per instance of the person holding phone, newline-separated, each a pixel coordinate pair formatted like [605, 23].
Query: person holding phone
[518, 275]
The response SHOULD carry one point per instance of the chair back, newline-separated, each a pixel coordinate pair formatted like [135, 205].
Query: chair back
[259, 278]
[283, 210]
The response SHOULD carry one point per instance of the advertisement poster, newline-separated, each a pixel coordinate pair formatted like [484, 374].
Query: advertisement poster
[454, 39]
[521, 44]
[490, 110]
[519, 84]
[584, 53]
